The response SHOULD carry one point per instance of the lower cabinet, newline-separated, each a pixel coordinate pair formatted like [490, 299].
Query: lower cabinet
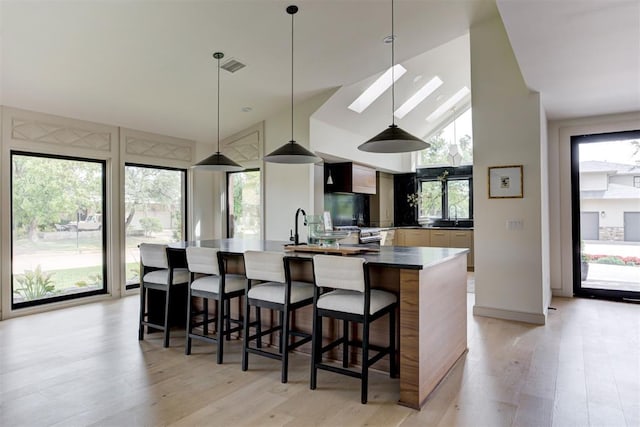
[439, 238]
[412, 237]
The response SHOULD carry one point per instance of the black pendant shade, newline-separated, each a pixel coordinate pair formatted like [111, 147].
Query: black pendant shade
[393, 140]
[291, 152]
[218, 161]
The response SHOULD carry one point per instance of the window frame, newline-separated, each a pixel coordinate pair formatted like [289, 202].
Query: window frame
[185, 207]
[228, 193]
[453, 173]
[104, 227]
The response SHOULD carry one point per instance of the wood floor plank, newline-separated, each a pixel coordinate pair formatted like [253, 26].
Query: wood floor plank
[84, 366]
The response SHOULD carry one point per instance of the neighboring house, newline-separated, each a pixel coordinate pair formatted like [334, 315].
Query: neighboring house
[610, 201]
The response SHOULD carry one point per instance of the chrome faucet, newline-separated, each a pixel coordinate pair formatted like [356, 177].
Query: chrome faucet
[296, 237]
[455, 210]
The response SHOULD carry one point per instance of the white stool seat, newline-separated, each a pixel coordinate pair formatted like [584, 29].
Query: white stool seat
[271, 272]
[274, 292]
[233, 283]
[180, 275]
[353, 301]
[342, 289]
[207, 267]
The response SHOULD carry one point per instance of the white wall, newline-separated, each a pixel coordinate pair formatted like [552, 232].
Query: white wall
[289, 187]
[611, 210]
[593, 181]
[507, 121]
[559, 134]
[545, 214]
[207, 208]
[623, 179]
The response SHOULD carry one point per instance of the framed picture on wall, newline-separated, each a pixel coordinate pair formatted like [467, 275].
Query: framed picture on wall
[505, 182]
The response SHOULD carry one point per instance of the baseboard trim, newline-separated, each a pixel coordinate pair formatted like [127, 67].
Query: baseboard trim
[519, 316]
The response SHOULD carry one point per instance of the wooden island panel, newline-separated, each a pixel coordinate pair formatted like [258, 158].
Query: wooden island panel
[433, 327]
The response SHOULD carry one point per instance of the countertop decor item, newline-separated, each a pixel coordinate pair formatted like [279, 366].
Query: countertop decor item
[393, 139]
[291, 152]
[218, 161]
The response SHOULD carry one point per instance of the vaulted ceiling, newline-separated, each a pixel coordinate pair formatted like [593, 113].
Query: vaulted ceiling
[148, 65]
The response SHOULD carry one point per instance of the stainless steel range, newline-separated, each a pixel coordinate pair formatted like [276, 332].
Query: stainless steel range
[361, 235]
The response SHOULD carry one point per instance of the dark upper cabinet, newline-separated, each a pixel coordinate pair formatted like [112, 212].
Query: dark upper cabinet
[349, 178]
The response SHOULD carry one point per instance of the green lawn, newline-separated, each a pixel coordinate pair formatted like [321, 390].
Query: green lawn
[84, 276]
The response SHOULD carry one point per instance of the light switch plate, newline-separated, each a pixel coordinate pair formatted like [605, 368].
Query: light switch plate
[515, 224]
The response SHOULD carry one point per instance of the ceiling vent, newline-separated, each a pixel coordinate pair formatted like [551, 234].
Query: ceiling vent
[232, 65]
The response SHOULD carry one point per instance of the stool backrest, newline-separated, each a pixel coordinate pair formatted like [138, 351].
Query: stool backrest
[339, 272]
[154, 255]
[203, 260]
[268, 266]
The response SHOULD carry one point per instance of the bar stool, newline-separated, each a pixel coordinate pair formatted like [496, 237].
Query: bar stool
[208, 280]
[277, 292]
[162, 269]
[343, 292]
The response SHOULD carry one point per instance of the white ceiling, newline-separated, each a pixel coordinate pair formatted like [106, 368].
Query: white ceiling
[147, 65]
[583, 56]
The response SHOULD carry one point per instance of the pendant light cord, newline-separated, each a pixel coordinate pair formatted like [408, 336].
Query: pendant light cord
[454, 126]
[292, 140]
[218, 94]
[393, 80]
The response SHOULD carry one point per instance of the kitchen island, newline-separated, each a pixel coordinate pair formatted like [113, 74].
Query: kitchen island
[431, 285]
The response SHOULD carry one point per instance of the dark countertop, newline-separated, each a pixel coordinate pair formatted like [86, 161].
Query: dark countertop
[415, 258]
[429, 227]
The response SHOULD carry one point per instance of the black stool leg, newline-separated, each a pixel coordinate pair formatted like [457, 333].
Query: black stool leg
[284, 342]
[316, 347]
[345, 343]
[258, 327]
[365, 361]
[393, 368]
[187, 345]
[227, 317]
[167, 328]
[245, 338]
[220, 326]
[205, 316]
[143, 306]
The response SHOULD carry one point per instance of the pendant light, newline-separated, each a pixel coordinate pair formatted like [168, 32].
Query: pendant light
[393, 139]
[218, 161]
[291, 152]
[454, 152]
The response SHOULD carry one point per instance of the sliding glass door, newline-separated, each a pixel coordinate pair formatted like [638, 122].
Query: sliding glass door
[58, 246]
[606, 214]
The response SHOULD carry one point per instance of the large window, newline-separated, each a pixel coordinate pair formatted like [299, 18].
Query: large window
[445, 193]
[58, 228]
[243, 204]
[155, 200]
[452, 145]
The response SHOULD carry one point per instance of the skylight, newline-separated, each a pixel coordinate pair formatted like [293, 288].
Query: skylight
[377, 88]
[418, 97]
[448, 104]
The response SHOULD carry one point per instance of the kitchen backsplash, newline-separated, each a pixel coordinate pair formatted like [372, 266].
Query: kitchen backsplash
[348, 209]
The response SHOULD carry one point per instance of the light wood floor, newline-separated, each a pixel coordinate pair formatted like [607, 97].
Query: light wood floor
[85, 366]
